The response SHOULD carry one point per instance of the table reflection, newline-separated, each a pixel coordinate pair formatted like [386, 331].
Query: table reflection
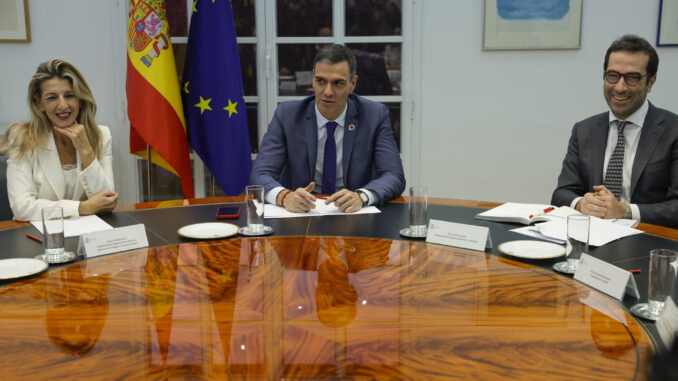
[314, 307]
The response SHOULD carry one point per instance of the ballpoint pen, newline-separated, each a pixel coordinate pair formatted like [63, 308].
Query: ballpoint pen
[550, 208]
[34, 238]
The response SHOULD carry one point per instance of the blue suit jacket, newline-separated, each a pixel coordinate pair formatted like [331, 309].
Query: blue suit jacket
[370, 158]
[654, 176]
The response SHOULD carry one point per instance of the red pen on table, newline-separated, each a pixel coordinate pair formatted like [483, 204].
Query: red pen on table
[545, 211]
[321, 197]
[34, 238]
[634, 271]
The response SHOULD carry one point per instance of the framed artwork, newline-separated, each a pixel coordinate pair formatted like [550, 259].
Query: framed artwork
[532, 24]
[14, 26]
[667, 31]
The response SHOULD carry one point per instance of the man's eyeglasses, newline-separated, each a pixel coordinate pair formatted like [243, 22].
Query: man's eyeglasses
[631, 79]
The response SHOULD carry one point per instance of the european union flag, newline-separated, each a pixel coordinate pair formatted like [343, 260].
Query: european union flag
[213, 96]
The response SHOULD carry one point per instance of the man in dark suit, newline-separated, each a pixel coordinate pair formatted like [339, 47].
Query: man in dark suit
[624, 163]
[334, 142]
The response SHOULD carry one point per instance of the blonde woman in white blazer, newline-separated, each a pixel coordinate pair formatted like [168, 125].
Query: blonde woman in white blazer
[61, 157]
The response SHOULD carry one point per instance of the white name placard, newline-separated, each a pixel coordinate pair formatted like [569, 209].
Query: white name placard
[458, 235]
[606, 277]
[667, 325]
[113, 241]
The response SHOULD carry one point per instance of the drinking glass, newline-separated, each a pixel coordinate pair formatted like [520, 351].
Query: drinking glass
[662, 283]
[53, 236]
[254, 199]
[578, 227]
[418, 208]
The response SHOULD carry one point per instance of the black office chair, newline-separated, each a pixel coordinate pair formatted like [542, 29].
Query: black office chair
[5, 211]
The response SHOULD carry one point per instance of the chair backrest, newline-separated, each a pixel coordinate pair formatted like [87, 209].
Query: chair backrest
[5, 210]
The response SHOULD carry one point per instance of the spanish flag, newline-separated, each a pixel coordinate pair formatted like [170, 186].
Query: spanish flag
[153, 101]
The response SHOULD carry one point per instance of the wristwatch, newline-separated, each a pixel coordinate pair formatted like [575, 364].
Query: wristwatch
[363, 197]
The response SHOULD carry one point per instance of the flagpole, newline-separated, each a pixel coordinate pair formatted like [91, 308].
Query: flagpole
[150, 173]
[212, 185]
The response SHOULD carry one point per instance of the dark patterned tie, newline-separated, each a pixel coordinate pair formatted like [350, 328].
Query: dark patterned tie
[614, 174]
[330, 160]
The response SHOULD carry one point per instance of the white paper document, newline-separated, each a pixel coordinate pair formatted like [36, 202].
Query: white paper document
[74, 227]
[601, 233]
[275, 211]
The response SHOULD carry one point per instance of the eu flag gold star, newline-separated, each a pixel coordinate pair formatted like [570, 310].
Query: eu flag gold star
[186, 87]
[194, 8]
[204, 105]
[225, 276]
[231, 108]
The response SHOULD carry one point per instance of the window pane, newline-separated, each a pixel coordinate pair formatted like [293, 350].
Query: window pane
[378, 68]
[394, 112]
[295, 65]
[248, 63]
[253, 125]
[373, 18]
[304, 18]
[243, 17]
[166, 185]
[179, 59]
[177, 18]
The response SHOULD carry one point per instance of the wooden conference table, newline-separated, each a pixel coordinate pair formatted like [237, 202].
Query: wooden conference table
[328, 297]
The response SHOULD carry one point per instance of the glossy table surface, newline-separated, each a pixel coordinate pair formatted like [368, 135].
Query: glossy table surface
[331, 297]
[313, 307]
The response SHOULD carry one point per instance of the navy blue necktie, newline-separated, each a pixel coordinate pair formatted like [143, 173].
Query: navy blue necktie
[330, 160]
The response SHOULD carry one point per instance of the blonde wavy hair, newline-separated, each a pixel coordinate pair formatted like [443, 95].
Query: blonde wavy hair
[22, 137]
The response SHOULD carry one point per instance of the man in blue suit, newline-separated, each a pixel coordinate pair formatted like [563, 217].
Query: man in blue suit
[624, 163]
[334, 142]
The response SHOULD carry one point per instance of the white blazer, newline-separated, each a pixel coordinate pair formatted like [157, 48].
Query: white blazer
[36, 180]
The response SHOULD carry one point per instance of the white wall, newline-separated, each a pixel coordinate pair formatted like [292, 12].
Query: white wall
[495, 124]
[84, 33]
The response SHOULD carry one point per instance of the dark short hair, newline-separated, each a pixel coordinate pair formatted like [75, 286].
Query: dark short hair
[334, 54]
[634, 44]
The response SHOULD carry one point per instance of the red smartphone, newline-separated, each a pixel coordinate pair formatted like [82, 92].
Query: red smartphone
[228, 212]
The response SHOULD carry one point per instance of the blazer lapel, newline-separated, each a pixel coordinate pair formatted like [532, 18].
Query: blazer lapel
[311, 132]
[49, 162]
[652, 131]
[598, 143]
[351, 127]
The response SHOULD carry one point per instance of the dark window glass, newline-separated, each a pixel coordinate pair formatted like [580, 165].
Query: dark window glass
[304, 18]
[373, 18]
[179, 59]
[252, 125]
[166, 185]
[248, 64]
[243, 17]
[295, 67]
[394, 113]
[177, 17]
[378, 68]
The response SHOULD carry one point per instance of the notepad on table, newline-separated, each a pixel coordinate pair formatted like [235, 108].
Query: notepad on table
[525, 214]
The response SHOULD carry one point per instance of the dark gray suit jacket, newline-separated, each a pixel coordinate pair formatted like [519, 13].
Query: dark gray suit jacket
[370, 156]
[654, 176]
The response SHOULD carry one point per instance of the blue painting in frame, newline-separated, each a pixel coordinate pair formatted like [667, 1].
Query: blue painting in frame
[667, 25]
[532, 24]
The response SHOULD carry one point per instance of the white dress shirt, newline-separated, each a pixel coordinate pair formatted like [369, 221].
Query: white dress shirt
[632, 136]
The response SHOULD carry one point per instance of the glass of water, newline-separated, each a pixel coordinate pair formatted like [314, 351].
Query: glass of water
[662, 283]
[578, 227]
[662, 279]
[53, 236]
[418, 208]
[254, 199]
